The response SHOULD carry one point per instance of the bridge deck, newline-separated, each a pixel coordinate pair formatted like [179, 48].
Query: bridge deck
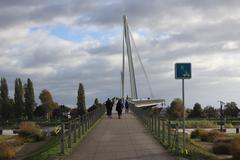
[119, 139]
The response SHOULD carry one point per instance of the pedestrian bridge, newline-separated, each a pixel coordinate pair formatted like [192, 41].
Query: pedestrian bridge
[119, 139]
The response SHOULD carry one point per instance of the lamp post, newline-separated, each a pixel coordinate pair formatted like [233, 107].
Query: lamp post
[221, 115]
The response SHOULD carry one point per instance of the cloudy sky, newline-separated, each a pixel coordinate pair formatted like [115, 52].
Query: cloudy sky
[61, 43]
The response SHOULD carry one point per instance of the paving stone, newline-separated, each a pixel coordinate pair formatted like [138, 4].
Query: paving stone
[119, 139]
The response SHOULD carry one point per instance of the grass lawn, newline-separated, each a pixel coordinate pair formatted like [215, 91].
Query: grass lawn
[5, 137]
[52, 148]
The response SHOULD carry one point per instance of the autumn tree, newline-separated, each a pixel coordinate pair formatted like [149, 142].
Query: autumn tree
[5, 103]
[47, 102]
[18, 98]
[29, 99]
[81, 106]
[175, 110]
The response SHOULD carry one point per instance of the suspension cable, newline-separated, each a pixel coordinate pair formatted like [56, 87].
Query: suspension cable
[140, 60]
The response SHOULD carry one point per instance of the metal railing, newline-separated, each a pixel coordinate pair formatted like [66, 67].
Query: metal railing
[165, 131]
[76, 128]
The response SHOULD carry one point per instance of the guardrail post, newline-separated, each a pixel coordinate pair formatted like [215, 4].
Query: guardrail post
[177, 140]
[158, 130]
[169, 133]
[79, 127]
[70, 135]
[155, 122]
[74, 132]
[86, 123]
[163, 131]
[82, 124]
[62, 138]
[152, 123]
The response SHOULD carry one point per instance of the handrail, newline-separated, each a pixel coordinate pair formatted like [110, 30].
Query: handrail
[78, 127]
[161, 128]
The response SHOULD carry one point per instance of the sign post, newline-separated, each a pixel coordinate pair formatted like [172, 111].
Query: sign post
[183, 71]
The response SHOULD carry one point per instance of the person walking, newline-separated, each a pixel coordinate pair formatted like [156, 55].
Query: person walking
[119, 108]
[126, 107]
[109, 108]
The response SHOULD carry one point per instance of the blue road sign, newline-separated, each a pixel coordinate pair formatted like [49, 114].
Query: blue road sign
[183, 71]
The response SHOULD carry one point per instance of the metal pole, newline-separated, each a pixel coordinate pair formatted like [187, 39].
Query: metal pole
[184, 137]
[221, 115]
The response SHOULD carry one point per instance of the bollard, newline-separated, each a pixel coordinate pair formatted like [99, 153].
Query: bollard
[74, 132]
[70, 135]
[62, 142]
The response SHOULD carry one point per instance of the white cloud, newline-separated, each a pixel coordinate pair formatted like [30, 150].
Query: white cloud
[205, 33]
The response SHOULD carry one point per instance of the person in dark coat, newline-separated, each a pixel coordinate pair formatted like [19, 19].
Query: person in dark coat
[109, 108]
[126, 106]
[119, 108]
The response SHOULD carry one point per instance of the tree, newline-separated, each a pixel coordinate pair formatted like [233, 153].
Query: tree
[94, 106]
[5, 103]
[231, 110]
[40, 111]
[18, 98]
[29, 99]
[175, 110]
[96, 102]
[47, 102]
[210, 112]
[81, 106]
[197, 111]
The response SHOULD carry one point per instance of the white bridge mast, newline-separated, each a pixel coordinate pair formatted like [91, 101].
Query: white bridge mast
[130, 61]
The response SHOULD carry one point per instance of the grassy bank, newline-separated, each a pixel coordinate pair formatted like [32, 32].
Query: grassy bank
[52, 148]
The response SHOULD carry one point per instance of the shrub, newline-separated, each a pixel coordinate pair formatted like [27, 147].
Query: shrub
[195, 134]
[31, 131]
[7, 151]
[203, 134]
[228, 125]
[200, 124]
[235, 148]
[222, 145]
[221, 148]
[19, 141]
[209, 136]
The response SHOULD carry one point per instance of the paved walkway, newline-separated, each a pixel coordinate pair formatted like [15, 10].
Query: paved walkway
[119, 139]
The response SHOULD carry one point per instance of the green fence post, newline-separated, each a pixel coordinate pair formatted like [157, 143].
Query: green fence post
[82, 124]
[163, 131]
[79, 127]
[158, 128]
[62, 142]
[69, 135]
[169, 133]
[177, 139]
[152, 123]
[74, 132]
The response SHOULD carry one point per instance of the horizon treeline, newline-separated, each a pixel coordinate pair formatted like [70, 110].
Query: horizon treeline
[23, 106]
